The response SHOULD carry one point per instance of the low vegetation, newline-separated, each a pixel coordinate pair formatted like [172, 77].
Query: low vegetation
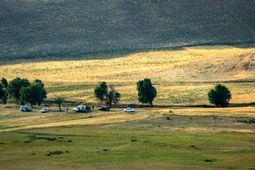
[192, 138]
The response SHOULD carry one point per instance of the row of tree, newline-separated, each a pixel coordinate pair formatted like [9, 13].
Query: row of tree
[107, 94]
[34, 93]
[22, 91]
[219, 95]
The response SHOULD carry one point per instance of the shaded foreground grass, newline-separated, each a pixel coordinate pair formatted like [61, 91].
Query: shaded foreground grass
[113, 147]
[182, 138]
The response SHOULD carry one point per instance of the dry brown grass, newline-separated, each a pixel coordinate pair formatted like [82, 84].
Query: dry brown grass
[35, 119]
[77, 79]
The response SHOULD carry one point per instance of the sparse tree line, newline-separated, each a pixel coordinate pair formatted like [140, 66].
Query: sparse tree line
[219, 95]
[34, 93]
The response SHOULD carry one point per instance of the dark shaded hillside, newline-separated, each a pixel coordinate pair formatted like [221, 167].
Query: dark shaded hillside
[37, 28]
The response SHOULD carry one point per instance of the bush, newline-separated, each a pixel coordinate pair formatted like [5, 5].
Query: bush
[219, 95]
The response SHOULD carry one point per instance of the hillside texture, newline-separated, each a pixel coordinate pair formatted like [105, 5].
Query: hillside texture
[39, 28]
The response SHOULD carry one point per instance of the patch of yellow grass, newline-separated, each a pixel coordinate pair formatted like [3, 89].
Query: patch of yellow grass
[217, 63]
[128, 68]
[63, 119]
[228, 111]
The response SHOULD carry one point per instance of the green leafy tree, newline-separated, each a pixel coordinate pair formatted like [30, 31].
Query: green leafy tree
[59, 101]
[42, 94]
[146, 92]
[101, 91]
[3, 94]
[219, 95]
[3, 90]
[29, 95]
[4, 82]
[14, 88]
[109, 96]
[33, 94]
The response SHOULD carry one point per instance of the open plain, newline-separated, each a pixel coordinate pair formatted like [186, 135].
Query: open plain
[181, 131]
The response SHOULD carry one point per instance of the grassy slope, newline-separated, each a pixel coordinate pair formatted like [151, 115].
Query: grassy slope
[38, 28]
[76, 79]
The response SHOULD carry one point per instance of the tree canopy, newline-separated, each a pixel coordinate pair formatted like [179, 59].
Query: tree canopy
[3, 94]
[4, 82]
[34, 93]
[107, 95]
[146, 92]
[14, 87]
[219, 95]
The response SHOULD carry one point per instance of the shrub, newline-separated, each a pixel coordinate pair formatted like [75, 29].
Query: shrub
[219, 95]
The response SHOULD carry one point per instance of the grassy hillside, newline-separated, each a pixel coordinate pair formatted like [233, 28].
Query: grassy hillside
[39, 28]
[180, 76]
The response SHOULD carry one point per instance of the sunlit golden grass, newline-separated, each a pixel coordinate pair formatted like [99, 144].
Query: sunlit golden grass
[76, 79]
[231, 111]
[12, 119]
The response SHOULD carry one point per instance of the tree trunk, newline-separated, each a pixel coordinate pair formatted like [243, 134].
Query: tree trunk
[59, 106]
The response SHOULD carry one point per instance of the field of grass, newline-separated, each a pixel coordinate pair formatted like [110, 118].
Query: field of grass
[172, 135]
[150, 138]
[180, 76]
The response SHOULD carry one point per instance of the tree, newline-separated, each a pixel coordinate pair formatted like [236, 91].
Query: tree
[33, 94]
[14, 87]
[112, 97]
[3, 90]
[29, 94]
[3, 94]
[42, 94]
[219, 95]
[4, 82]
[59, 100]
[101, 92]
[146, 92]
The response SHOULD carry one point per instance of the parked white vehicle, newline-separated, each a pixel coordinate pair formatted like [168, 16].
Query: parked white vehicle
[82, 108]
[129, 109]
[43, 110]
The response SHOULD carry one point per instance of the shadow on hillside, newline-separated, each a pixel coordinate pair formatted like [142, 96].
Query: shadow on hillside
[103, 55]
[68, 57]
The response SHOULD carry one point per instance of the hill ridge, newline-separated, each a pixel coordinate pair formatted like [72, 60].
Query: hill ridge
[41, 28]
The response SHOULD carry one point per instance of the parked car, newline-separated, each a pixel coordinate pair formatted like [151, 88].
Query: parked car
[129, 109]
[26, 109]
[82, 109]
[104, 108]
[44, 110]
